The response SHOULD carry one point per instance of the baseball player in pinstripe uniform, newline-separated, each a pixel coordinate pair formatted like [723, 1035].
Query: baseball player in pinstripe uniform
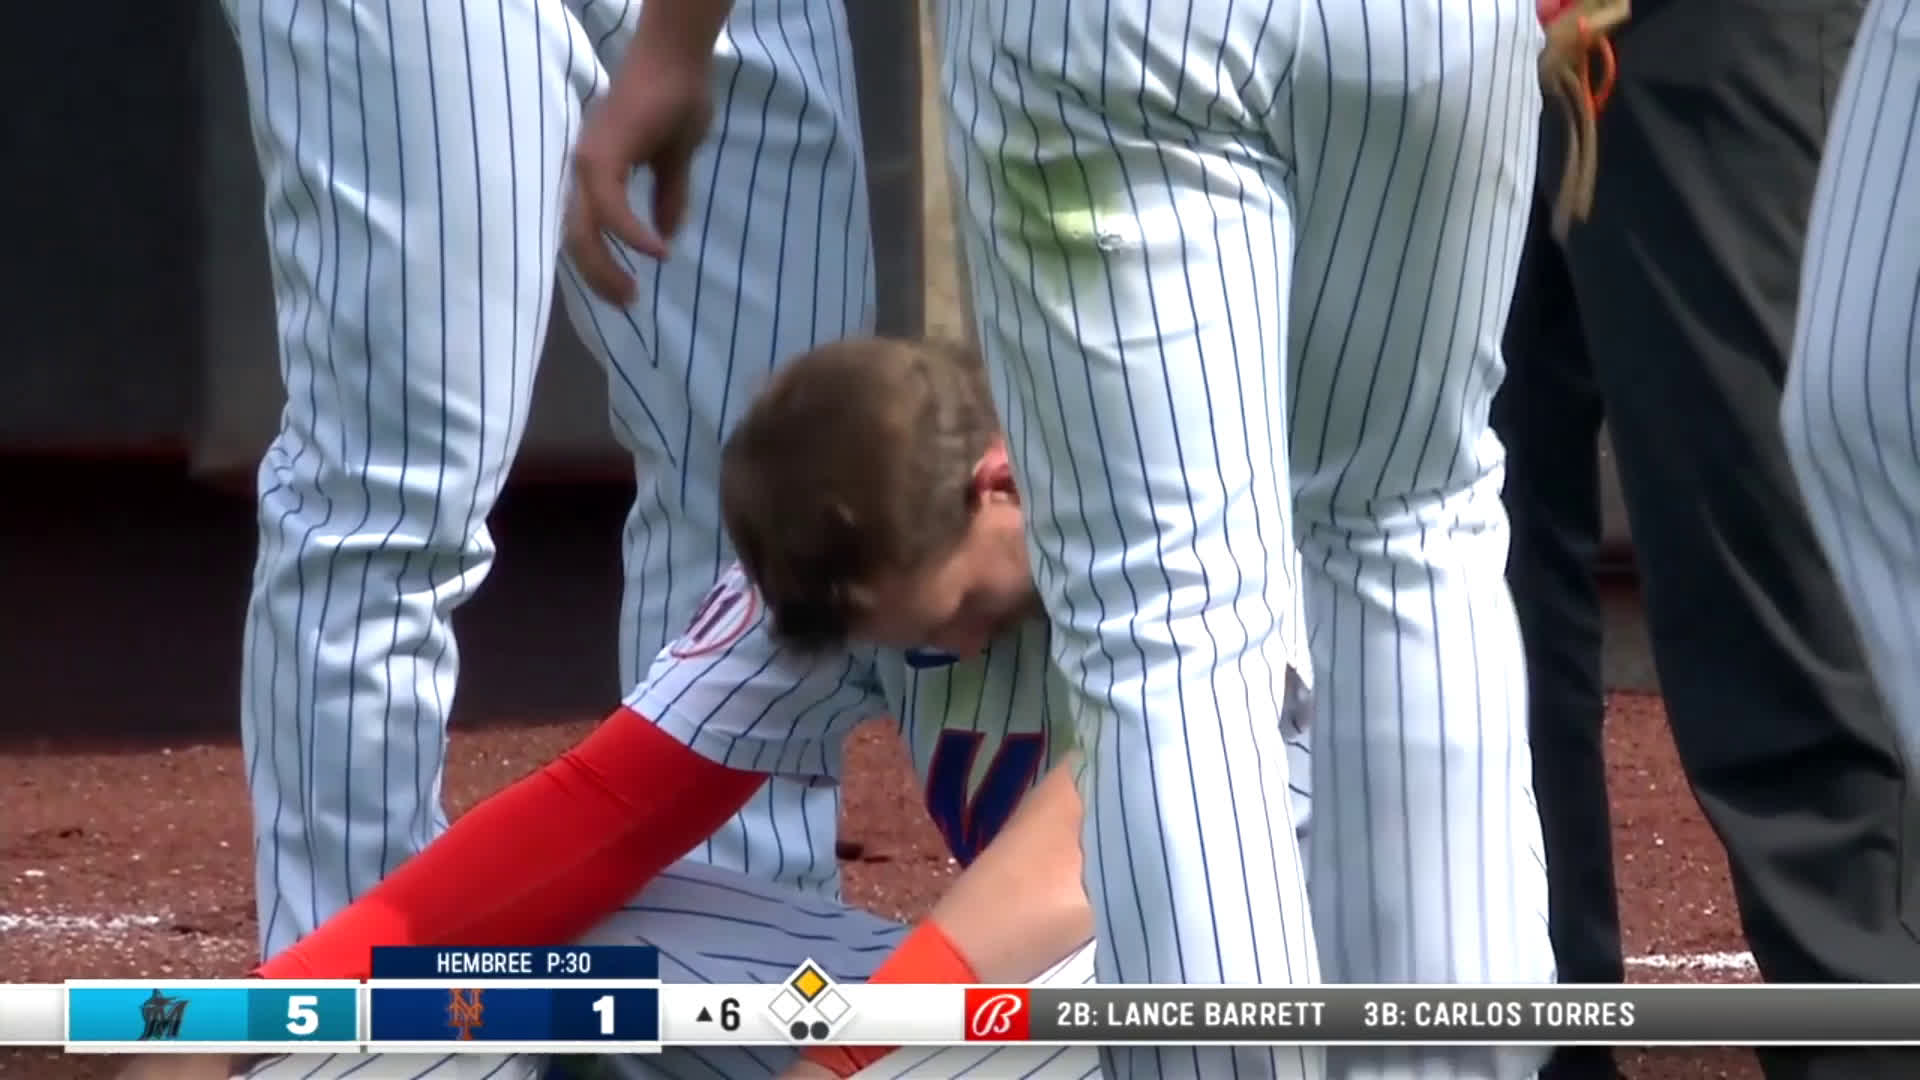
[765, 683]
[416, 166]
[1240, 271]
[1851, 395]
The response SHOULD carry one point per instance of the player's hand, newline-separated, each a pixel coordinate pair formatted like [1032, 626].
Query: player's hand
[653, 117]
[178, 1067]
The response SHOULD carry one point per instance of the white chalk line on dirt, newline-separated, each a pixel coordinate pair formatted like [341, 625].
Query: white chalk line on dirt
[1702, 961]
[47, 922]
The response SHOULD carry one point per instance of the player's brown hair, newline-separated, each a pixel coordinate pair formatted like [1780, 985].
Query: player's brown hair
[855, 460]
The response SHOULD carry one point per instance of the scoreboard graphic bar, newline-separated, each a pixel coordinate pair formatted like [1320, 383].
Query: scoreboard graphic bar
[808, 1008]
[572, 1000]
[520, 1012]
[33, 1014]
[212, 1017]
[1669, 1015]
[1567, 1015]
[583, 963]
[499, 1017]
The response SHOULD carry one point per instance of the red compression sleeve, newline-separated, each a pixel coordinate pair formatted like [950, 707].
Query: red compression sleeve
[544, 859]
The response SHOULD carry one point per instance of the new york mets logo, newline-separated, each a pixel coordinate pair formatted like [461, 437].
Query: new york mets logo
[997, 1015]
[463, 1013]
[162, 1016]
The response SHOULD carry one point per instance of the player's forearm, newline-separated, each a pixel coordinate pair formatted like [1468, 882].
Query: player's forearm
[1020, 906]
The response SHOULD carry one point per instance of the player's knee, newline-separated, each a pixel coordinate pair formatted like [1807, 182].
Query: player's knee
[328, 511]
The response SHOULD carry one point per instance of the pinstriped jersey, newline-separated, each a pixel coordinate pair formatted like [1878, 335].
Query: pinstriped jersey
[981, 730]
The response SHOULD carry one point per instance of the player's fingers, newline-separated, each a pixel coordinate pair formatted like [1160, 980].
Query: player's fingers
[600, 182]
[593, 257]
[613, 213]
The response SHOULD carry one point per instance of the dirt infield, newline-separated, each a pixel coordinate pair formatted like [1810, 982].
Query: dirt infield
[127, 857]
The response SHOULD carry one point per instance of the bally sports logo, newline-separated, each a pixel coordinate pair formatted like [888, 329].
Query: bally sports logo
[997, 1015]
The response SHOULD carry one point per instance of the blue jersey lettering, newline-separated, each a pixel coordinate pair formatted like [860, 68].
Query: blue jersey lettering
[970, 824]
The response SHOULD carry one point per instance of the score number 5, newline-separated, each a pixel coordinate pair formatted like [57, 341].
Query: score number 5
[303, 1017]
[301, 1014]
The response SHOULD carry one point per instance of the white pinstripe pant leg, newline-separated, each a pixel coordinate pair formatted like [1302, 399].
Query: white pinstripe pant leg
[1070, 1063]
[775, 257]
[1852, 392]
[1129, 250]
[412, 157]
[1415, 128]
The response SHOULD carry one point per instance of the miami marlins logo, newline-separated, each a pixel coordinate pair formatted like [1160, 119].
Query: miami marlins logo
[162, 1016]
[464, 1012]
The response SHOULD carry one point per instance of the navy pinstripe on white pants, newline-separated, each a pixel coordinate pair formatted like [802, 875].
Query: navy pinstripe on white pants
[1848, 414]
[415, 156]
[1241, 270]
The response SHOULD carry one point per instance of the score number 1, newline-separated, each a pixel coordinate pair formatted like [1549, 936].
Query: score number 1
[594, 1015]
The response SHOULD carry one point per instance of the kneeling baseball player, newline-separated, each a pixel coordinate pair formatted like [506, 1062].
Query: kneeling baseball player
[869, 493]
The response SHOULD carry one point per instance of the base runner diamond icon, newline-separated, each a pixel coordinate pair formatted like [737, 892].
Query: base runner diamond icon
[808, 1008]
[785, 1006]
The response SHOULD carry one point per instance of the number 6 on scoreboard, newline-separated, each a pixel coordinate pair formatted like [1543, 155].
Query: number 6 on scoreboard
[604, 1006]
[302, 1020]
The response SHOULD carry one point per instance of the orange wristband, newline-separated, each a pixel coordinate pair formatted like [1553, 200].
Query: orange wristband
[926, 956]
